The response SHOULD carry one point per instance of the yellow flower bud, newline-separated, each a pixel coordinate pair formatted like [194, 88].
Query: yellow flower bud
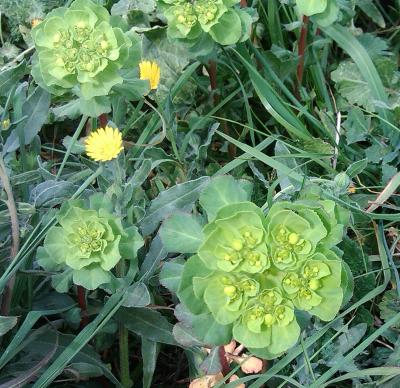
[237, 245]
[314, 284]
[269, 319]
[230, 291]
[293, 238]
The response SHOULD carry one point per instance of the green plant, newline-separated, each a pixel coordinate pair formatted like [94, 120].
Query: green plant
[80, 49]
[200, 20]
[324, 12]
[250, 271]
[87, 245]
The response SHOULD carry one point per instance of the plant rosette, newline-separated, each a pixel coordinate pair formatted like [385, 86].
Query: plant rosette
[82, 50]
[86, 245]
[250, 272]
[220, 21]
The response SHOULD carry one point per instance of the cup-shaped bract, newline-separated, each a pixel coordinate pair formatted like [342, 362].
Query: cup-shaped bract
[295, 231]
[88, 244]
[268, 322]
[236, 243]
[216, 19]
[80, 49]
[316, 286]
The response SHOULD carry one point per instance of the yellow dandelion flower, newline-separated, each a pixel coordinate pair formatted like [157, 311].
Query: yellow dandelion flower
[104, 144]
[150, 71]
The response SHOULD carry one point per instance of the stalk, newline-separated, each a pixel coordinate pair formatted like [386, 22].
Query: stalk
[73, 141]
[123, 342]
[302, 49]
[83, 306]
[12, 209]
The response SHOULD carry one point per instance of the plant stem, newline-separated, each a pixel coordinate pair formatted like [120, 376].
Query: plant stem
[123, 342]
[223, 360]
[12, 209]
[103, 120]
[302, 49]
[243, 3]
[73, 141]
[124, 356]
[82, 304]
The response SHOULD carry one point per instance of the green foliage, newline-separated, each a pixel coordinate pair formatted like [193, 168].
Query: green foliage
[252, 271]
[204, 21]
[81, 48]
[86, 246]
[306, 130]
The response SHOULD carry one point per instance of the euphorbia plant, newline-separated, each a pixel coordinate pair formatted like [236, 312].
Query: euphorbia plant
[87, 244]
[199, 20]
[250, 272]
[82, 50]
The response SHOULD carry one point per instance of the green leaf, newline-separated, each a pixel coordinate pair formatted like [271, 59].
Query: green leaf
[360, 56]
[147, 323]
[311, 7]
[180, 197]
[228, 30]
[137, 295]
[194, 267]
[35, 109]
[212, 364]
[6, 324]
[171, 274]
[352, 85]
[95, 106]
[181, 233]
[211, 332]
[357, 168]
[222, 191]
[123, 7]
[372, 11]
[91, 277]
[150, 350]
[185, 336]
[329, 16]
[390, 305]
[10, 77]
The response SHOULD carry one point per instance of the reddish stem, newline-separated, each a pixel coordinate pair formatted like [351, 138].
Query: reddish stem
[243, 3]
[212, 72]
[82, 304]
[103, 120]
[223, 360]
[302, 50]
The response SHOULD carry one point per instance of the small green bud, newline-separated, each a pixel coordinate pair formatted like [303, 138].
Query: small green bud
[269, 319]
[230, 291]
[314, 284]
[293, 238]
[237, 245]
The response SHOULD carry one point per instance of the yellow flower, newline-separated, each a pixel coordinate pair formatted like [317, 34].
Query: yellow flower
[150, 71]
[35, 22]
[5, 124]
[104, 144]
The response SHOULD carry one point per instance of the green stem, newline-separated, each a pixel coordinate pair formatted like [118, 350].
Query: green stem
[124, 356]
[12, 209]
[126, 382]
[73, 141]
